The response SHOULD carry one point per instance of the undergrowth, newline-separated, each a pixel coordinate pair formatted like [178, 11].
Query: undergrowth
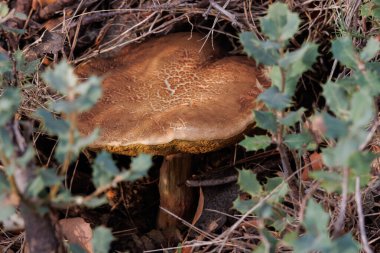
[341, 132]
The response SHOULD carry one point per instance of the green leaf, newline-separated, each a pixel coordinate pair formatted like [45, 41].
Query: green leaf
[89, 91]
[290, 237]
[273, 183]
[64, 196]
[365, 9]
[102, 239]
[279, 24]
[309, 243]
[264, 52]
[104, 169]
[360, 163]
[338, 156]
[316, 237]
[260, 249]
[139, 166]
[82, 142]
[270, 246]
[346, 244]
[335, 128]
[276, 76]
[248, 183]
[376, 12]
[256, 143]
[63, 106]
[293, 117]
[9, 102]
[44, 178]
[300, 141]
[6, 143]
[336, 98]
[374, 67]
[49, 177]
[52, 125]
[4, 184]
[344, 51]
[265, 211]
[96, 202]
[369, 79]
[271, 239]
[370, 50]
[20, 15]
[243, 206]
[64, 145]
[6, 209]
[296, 63]
[10, 29]
[5, 66]
[281, 224]
[266, 120]
[24, 67]
[274, 99]
[61, 78]
[312, 225]
[330, 181]
[4, 10]
[24, 159]
[362, 109]
[88, 94]
[75, 248]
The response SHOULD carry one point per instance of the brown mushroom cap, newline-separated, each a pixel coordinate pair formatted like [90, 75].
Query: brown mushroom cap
[168, 95]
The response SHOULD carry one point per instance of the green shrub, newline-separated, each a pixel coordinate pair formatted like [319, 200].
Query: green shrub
[341, 128]
[23, 184]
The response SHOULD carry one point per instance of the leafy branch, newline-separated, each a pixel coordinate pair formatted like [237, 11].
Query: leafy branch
[341, 129]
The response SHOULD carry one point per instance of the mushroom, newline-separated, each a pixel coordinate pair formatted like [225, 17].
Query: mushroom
[172, 96]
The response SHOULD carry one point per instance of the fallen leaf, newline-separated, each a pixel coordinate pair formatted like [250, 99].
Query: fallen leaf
[52, 23]
[41, 3]
[77, 231]
[316, 161]
[201, 203]
[315, 165]
[251, 222]
[197, 215]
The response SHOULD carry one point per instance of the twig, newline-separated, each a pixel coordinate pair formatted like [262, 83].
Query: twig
[226, 13]
[358, 199]
[212, 182]
[368, 139]
[339, 224]
[197, 244]
[188, 224]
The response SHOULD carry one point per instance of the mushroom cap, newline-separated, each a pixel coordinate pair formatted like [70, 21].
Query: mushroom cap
[171, 95]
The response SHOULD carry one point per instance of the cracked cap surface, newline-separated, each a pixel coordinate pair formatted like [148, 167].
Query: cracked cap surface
[167, 96]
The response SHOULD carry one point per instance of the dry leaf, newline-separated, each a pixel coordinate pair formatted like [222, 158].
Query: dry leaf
[52, 23]
[201, 203]
[187, 250]
[316, 161]
[315, 165]
[77, 231]
[41, 3]
[251, 222]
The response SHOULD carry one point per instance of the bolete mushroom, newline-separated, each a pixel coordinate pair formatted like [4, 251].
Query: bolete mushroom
[170, 96]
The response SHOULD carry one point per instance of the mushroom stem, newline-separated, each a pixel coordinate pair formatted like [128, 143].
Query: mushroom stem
[175, 196]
